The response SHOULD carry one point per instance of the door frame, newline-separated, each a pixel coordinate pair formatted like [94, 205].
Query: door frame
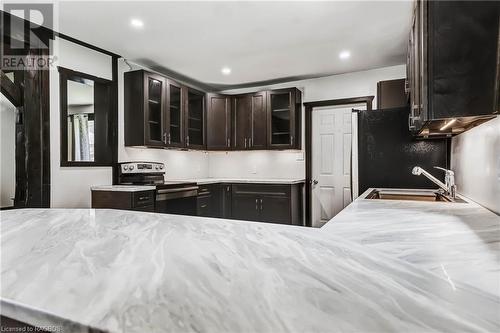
[309, 108]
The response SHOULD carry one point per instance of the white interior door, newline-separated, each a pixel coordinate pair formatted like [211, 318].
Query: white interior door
[331, 162]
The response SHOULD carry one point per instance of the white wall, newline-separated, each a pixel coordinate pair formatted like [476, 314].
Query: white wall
[290, 164]
[475, 158]
[70, 186]
[7, 152]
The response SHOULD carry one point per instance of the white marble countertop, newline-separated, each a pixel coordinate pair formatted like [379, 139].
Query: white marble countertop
[458, 241]
[122, 188]
[204, 181]
[125, 271]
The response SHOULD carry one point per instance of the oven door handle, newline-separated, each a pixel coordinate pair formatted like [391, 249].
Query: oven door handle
[174, 190]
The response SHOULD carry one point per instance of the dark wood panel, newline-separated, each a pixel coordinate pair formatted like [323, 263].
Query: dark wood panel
[275, 209]
[218, 122]
[245, 207]
[284, 108]
[241, 121]
[258, 135]
[462, 79]
[134, 108]
[112, 199]
[10, 90]
[195, 119]
[391, 94]
[174, 115]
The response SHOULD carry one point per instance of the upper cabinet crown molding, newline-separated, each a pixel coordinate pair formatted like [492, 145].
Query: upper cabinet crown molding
[453, 66]
[162, 113]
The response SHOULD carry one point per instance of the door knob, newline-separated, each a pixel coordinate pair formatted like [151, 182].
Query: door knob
[314, 182]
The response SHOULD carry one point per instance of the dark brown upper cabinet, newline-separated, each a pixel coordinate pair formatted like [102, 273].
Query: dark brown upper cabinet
[175, 115]
[250, 121]
[453, 66]
[242, 105]
[194, 119]
[145, 109]
[258, 121]
[283, 119]
[218, 122]
[162, 113]
[391, 94]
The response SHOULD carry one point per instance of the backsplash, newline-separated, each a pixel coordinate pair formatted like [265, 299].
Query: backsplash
[257, 164]
[475, 158]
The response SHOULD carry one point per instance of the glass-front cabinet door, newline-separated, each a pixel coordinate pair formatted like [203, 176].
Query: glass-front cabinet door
[281, 117]
[175, 137]
[155, 106]
[195, 120]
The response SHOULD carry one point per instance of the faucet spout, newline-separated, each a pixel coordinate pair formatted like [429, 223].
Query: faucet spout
[448, 186]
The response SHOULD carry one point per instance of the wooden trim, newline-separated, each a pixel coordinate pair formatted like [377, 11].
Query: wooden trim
[10, 90]
[309, 108]
[63, 36]
[353, 100]
[65, 75]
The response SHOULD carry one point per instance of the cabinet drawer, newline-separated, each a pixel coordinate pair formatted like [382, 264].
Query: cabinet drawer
[258, 189]
[143, 199]
[204, 203]
[204, 190]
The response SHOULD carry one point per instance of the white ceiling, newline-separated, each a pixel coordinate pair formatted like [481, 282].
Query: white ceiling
[259, 41]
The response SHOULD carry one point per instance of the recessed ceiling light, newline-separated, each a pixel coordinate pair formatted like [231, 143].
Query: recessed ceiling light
[226, 70]
[344, 55]
[136, 23]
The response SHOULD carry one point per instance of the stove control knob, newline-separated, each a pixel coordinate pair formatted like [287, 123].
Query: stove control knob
[161, 166]
[131, 168]
[125, 167]
[157, 167]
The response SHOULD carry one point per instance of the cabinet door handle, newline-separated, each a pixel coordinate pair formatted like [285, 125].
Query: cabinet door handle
[169, 140]
[245, 142]
[256, 204]
[164, 137]
[187, 140]
[228, 142]
[249, 142]
[291, 140]
[261, 205]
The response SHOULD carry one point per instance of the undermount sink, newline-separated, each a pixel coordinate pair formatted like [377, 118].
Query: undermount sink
[411, 195]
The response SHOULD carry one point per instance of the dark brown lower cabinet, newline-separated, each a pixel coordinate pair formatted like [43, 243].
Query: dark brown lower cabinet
[245, 206]
[267, 203]
[210, 200]
[141, 201]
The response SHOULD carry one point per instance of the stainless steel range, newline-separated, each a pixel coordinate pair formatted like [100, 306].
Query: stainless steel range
[172, 197]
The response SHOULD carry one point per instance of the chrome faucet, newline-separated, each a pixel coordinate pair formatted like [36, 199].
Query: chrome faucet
[448, 187]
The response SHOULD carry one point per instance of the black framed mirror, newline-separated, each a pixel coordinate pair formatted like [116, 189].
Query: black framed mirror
[86, 122]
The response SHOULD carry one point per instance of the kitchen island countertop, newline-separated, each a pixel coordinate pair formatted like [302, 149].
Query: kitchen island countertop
[124, 271]
[458, 241]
